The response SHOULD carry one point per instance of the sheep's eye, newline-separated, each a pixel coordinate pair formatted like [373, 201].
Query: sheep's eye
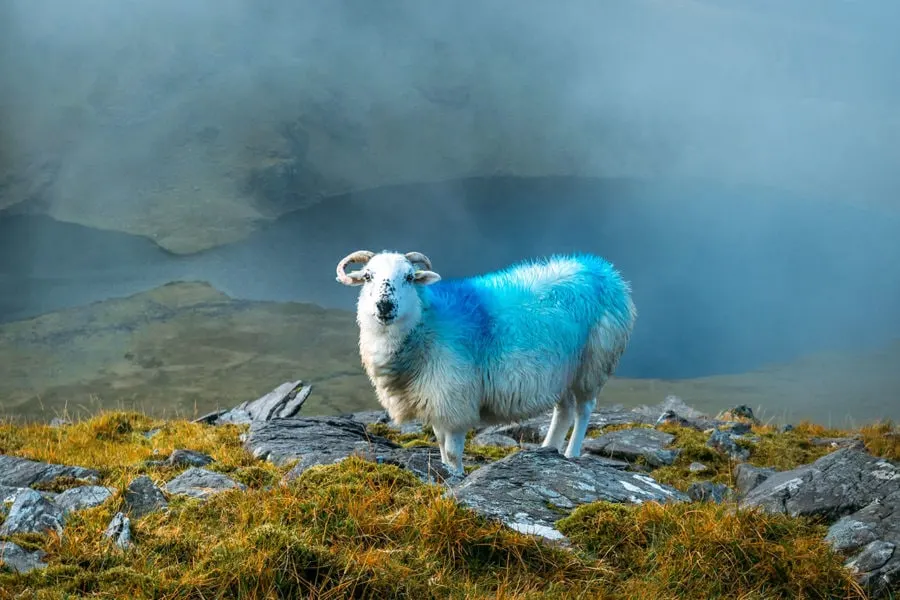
[409, 278]
[367, 276]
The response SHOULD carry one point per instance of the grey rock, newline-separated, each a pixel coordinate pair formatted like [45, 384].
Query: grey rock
[142, 497]
[57, 422]
[748, 476]
[632, 444]
[723, 442]
[32, 513]
[189, 458]
[739, 428]
[424, 463]
[844, 442]
[18, 560]
[860, 495]
[200, 483]
[152, 433]
[520, 490]
[494, 439]
[330, 438]
[707, 491]
[369, 417]
[738, 413]
[787, 428]
[673, 410]
[8, 495]
[284, 402]
[119, 530]
[697, 467]
[79, 498]
[21, 472]
[534, 430]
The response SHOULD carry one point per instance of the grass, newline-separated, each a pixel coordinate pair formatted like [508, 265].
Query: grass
[362, 530]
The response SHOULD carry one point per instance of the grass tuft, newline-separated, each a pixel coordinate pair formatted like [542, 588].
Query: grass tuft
[882, 439]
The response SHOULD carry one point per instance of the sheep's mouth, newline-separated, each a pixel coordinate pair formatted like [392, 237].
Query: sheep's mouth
[385, 320]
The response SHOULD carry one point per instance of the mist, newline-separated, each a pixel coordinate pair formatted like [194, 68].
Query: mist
[760, 140]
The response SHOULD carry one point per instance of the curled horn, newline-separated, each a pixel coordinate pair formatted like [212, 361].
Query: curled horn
[419, 258]
[360, 256]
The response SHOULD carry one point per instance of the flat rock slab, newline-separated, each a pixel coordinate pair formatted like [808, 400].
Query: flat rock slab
[190, 458]
[200, 483]
[327, 438]
[534, 430]
[18, 560]
[532, 489]
[142, 496]
[633, 444]
[22, 472]
[32, 513]
[860, 494]
[284, 402]
[80, 498]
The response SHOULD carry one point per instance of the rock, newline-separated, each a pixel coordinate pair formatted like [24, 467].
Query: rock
[532, 489]
[748, 476]
[200, 483]
[673, 410]
[57, 422]
[739, 429]
[143, 497]
[424, 463]
[534, 430]
[14, 558]
[283, 402]
[723, 442]
[494, 439]
[369, 417]
[189, 458]
[8, 495]
[741, 413]
[316, 440]
[32, 513]
[842, 442]
[79, 498]
[21, 472]
[787, 428]
[632, 444]
[119, 530]
[856, 491]
[704, 491]
[696, 467]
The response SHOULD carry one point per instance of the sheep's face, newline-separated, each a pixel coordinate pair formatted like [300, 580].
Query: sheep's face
[388, 295]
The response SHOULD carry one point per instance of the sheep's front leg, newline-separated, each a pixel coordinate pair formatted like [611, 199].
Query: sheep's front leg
[441, 437]
[583, 410]
[454, 444]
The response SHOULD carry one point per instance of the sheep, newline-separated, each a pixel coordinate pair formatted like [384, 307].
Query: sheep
[490, 349]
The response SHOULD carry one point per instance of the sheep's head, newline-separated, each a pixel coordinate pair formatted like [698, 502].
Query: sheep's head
[388, 281]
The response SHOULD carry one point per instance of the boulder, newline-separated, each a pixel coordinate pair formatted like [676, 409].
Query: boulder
[32, 513]
[15, 558]
[22, 472]
[189, 458]
[200, 483]
[284, 402]
[857, 492]
[747, 477]
[724, 442]
[707, 491]
[119, 530]
[315, 440]
[532, 489]
[633, 444]
[143, 497]
[79, 498]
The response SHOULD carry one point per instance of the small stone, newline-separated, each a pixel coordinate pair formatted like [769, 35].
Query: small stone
[189, 458]
[697, 467]
[57, 422]
[494, 439]
[18, 560]
[32, 513]
[79, 498]
[787, 428]
[200, 483]
[722, 441]
[703, 491]
[143, 497]
[119, 530]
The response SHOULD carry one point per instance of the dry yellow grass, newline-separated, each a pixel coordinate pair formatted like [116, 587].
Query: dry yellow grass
[363, 530]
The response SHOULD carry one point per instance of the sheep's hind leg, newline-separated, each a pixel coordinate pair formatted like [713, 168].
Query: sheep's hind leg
[583, 410]
[441, 437]
[563, 413]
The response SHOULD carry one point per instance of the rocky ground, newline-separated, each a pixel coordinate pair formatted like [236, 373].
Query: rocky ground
[665, 502]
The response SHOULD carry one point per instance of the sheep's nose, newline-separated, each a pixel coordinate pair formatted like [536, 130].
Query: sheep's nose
[385, 308]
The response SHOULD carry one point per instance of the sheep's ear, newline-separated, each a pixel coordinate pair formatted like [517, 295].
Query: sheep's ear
[352, 279]
[426, 277]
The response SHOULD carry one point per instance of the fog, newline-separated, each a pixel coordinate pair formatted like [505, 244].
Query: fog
[770, 129]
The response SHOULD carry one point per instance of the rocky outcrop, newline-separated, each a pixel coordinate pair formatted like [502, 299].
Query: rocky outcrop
[283, 402]
[855, 491]
[532, 489]
[200, 483]
[21, 472]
